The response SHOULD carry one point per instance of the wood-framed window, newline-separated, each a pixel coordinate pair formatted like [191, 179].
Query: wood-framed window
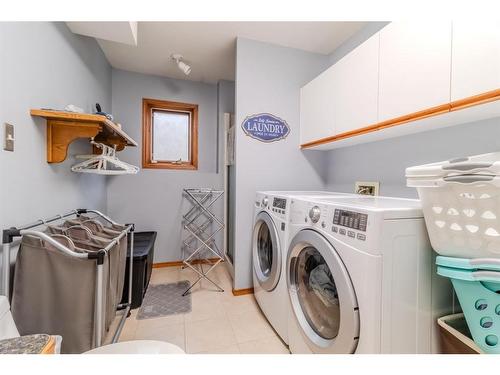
[169, 135]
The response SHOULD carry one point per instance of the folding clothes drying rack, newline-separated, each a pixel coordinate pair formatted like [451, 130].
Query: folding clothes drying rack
[197, 223]
[99, 256]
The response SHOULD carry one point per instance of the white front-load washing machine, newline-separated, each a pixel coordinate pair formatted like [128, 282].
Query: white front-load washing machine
[359, 277]
[269, 247]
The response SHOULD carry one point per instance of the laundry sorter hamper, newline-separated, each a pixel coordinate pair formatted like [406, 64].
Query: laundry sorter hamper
[67, 277]
[115, 257]
[461, 205]
[74, 279]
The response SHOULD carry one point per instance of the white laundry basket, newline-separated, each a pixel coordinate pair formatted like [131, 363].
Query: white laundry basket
[461, 204]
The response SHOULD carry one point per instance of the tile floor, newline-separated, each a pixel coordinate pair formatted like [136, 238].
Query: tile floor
[219, 323]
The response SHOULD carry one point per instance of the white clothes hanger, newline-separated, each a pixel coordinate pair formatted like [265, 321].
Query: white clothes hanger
[106, 163]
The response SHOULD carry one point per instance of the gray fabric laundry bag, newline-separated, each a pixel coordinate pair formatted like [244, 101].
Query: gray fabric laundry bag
[54, 293]
[110, 232]
[118, 258]
[109, 289]
[89, 242]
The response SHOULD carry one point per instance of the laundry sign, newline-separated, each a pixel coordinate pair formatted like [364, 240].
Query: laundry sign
[265, 127]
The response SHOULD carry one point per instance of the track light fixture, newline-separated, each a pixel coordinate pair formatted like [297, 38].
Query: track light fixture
[185, 68]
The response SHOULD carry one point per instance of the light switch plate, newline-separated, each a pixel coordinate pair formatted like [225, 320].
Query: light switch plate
[9, 137]
[367, 187]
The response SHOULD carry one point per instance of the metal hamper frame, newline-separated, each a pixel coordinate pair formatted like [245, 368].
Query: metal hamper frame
[13, 232]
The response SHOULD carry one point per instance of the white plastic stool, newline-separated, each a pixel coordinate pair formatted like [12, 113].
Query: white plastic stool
[138, 347]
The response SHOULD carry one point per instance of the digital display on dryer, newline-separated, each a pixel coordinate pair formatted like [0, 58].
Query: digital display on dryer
[350, 219]
[279, 203]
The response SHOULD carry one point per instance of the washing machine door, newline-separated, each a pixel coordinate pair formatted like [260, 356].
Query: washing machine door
[322, 295]
[266, 251]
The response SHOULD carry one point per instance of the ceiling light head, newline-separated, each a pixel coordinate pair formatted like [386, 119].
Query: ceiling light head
[185, 68]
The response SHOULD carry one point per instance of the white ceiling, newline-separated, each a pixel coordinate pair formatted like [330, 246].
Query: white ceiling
[120, 32]
[209, 47]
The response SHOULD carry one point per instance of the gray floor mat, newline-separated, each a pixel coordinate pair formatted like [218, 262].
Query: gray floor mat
[165, 299]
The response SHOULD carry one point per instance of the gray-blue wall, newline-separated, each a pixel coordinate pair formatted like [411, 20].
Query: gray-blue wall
[386, 160]
[44, 65]
[268, 79]
[152, 199]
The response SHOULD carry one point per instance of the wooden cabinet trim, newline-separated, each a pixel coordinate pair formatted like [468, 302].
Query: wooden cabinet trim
[457, 105]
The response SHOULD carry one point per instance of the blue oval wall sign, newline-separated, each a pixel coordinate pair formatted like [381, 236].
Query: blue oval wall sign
[265, 127]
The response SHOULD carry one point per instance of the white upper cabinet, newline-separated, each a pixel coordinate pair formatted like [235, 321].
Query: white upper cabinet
[415, 64]
[344, 97]
[407, 74]
[476, 58]
[355, 90]
[316, 110]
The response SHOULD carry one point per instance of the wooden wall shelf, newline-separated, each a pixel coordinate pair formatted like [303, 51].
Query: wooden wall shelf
[65, 127]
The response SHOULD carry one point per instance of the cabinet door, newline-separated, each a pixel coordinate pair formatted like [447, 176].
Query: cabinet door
[415, 61]
[475, 64]
[355, 90]
[316, 110]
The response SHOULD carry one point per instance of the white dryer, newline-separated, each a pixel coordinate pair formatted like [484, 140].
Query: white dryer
[359, 277]
[269, 247]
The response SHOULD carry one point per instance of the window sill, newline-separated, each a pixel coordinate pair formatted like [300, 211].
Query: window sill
[175, 166]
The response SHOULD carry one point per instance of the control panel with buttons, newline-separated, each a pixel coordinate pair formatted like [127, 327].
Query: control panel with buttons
[350, 220]
[279, 205]
[347, 225]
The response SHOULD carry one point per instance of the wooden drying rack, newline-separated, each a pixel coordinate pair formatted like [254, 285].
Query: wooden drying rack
[65, 127]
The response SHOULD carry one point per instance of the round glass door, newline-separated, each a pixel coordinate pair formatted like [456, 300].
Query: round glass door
[322, 295]
[266, 252]
[317, 293]
[265, 249]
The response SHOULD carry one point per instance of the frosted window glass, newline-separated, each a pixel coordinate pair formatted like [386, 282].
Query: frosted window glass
[170, 136]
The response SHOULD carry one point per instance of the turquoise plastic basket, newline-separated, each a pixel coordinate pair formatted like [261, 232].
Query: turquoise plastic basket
[477, 285]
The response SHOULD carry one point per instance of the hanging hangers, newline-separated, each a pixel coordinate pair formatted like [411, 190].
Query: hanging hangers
[107, 163]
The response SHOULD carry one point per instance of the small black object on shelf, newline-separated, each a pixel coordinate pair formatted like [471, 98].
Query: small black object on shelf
[143, 265]
[99, 111]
